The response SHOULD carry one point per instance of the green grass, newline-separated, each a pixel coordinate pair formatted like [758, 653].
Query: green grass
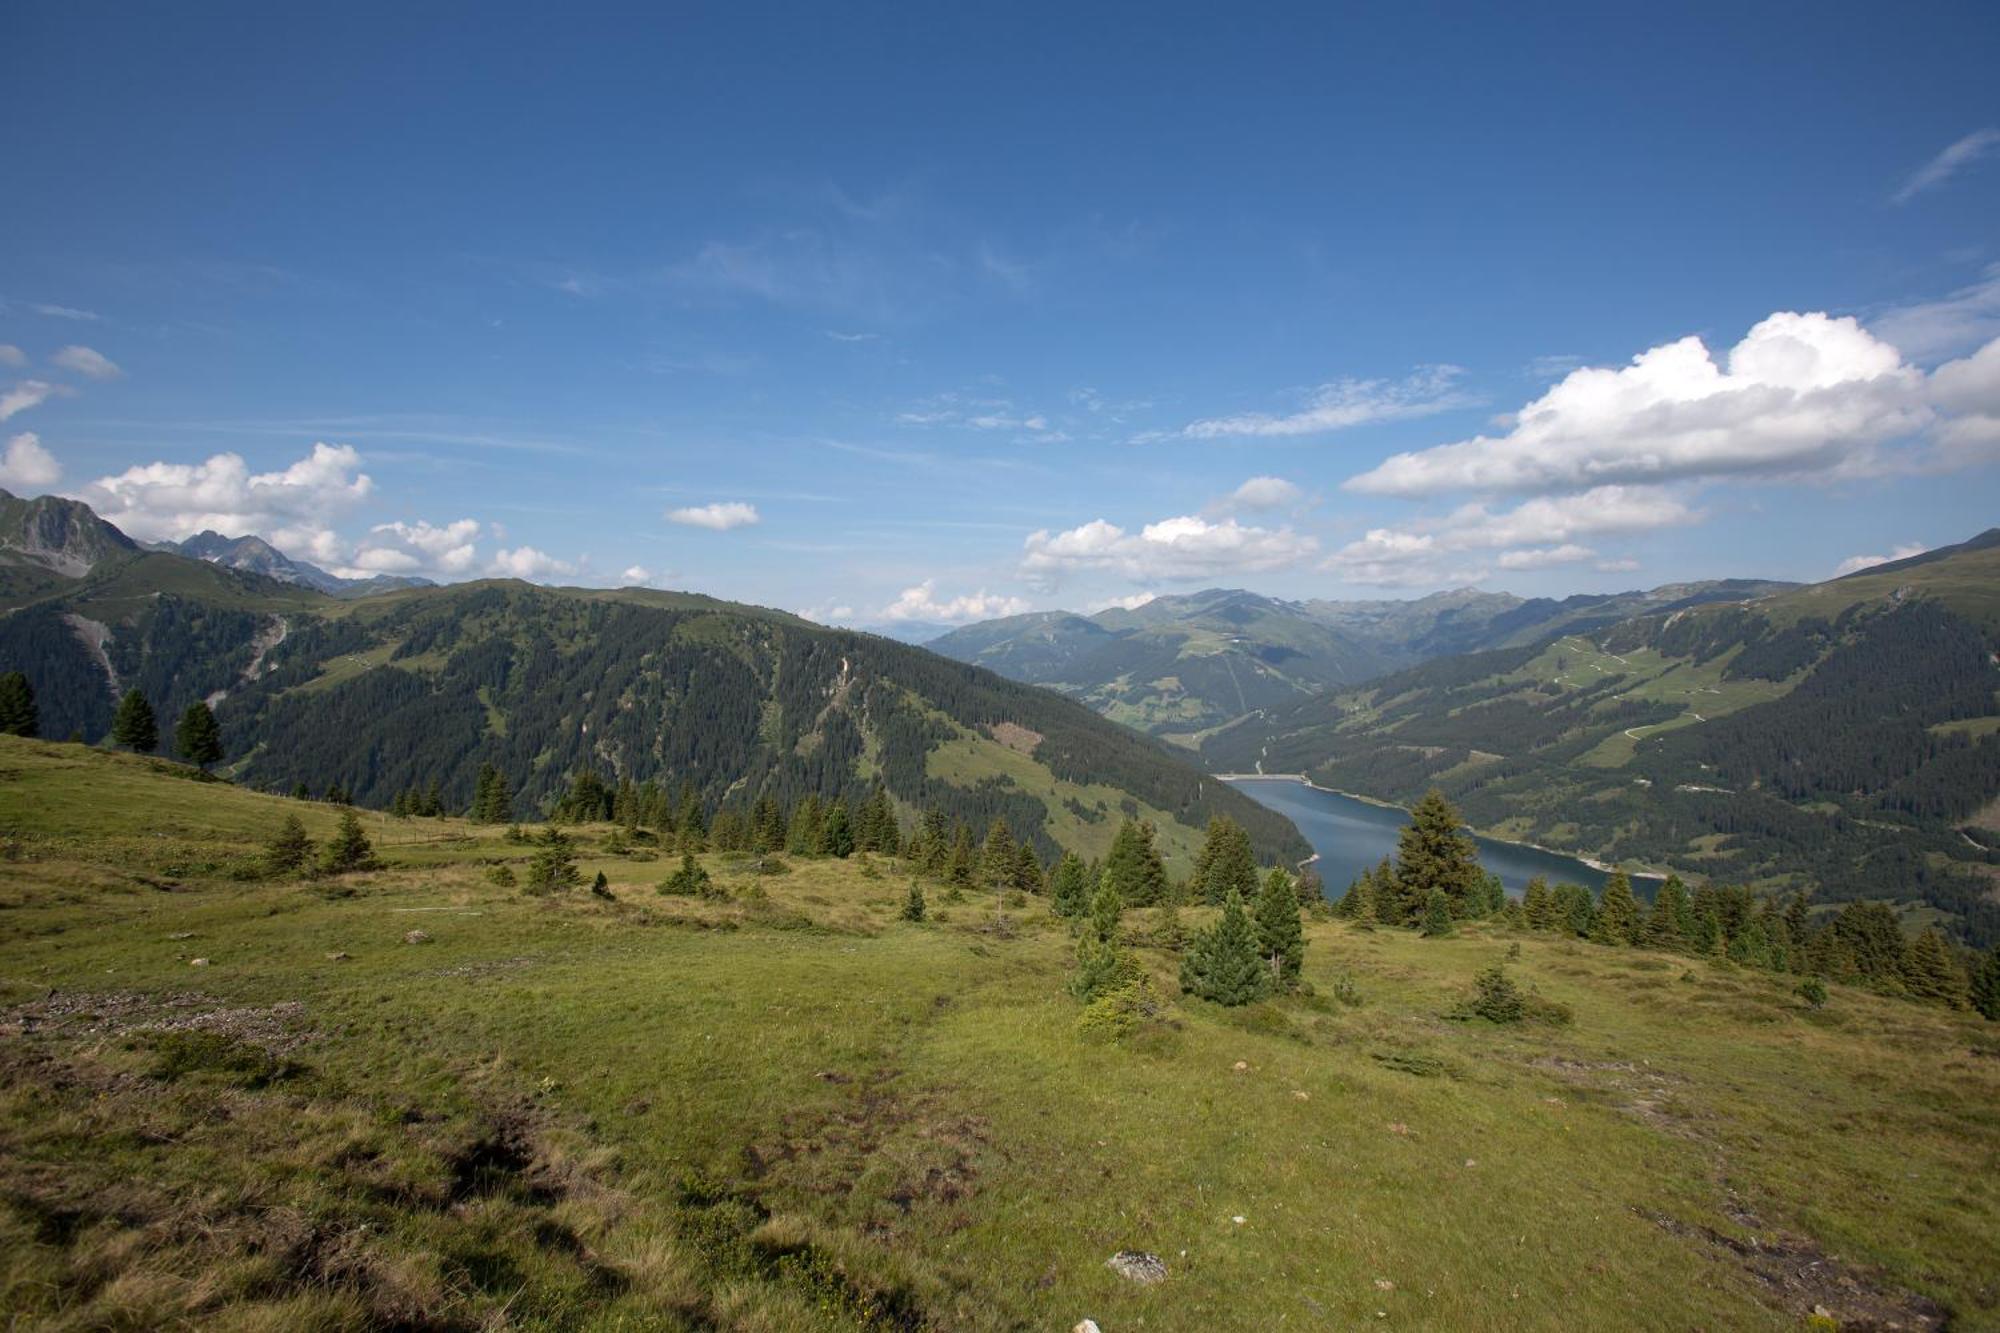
[793, 1111]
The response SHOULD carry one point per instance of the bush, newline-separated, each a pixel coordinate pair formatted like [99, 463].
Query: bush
[691, 881]
[1120, 1011]
[601, 888]
[1497, 999]
[1813, 991]
[503, 876]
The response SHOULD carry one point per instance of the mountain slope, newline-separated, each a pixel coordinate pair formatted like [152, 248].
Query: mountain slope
[1843, 737]
[423, 686]
[256, 556]
[1181, 667]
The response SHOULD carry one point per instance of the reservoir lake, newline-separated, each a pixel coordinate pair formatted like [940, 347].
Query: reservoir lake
[1352, 835]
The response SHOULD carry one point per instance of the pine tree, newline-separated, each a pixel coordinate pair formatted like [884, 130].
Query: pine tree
[1437, 915]
[1539, 905]
[1664, 928]
[913, 905]
[1281, 935]
[291, 850]
[1311, 890]
[1133, 867]
[1225, 864]
[1433, 853]
[18, 714]
[838, 840]
[937, 843]
[1106, 907]
[1027, 870]
[1069, 892]
[996, 861]
[553, 866]
[1617, 920]
[134, 726]
[197, 736]
[1575, 909]
[1986, 985]
[962, 868]
[350, 848]
[1358, 903]
[689, 881]
[1932, 974]
[1222, 965]
[807, 832]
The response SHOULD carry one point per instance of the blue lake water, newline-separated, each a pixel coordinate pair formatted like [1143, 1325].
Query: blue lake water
[1351, 836]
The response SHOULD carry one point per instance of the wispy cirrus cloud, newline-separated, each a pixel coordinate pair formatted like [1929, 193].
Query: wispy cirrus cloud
[88, 362]
[1346, 403]
[1955, 158]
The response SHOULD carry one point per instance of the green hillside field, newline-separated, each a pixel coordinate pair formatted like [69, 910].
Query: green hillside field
[245, 1102]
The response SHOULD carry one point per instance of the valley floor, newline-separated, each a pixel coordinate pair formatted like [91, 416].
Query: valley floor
[414, 1098]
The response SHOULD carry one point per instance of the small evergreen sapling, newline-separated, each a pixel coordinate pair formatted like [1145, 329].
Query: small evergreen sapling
[349, 848]
[134, 726]
[291, 850]
[1223, 964]
[1813, 991]
[913, 905]
[1070, 891]
[1437, 915]
[553, 866]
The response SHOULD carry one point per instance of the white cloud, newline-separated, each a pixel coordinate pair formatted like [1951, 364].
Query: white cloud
[1948, 163]
[440, 550]
[27, 466]
[1131, 603]
[1265, 493]
[636, 576]
[12, 356]
[921, 603]
[1534, 534]
[1345, 403]
[1799, 394]
[1927, 330]
[66, 312]
[293, 508]
[720, 516]
[87, 361]
[1854, 563]
[840, 337]
[525, 562]
[827, 615]
[26, 394]
[1545, 557]
[1187, 547]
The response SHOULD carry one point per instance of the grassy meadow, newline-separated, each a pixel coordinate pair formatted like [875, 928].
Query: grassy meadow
[237, 1102]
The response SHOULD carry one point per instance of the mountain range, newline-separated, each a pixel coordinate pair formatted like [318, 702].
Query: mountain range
[256, 556]
[1182, 667]
[421, 687]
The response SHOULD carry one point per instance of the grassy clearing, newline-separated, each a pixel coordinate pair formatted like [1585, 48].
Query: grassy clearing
[790, 1110]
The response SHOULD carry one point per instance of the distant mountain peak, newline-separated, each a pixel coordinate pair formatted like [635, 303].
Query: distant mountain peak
[63, 536]
[254, 555]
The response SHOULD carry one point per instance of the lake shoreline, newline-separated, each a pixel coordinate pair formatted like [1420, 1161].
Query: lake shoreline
[1300, 779]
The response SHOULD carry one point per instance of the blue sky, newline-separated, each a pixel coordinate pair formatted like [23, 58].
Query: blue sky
[937, 312]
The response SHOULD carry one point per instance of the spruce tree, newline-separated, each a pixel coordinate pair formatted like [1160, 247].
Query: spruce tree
[838, 839]
[996, 861]
[689, 881]
[1027, 870]
[1222, 965]
[1539, 905]
[18, 714]
[350, 848]
[134, 726]
[197, 737]
[1433, 853]
[1575, 909]
[1358, 903]
[1106, 907]
[913, 904]
[1617, 920]
[1986, 985]
[1225, 864]
[1281, 935]
[1437, 915]
[1665, 926]
[1133, 867]
[290, 850]
[1101, 962]
[1070, 891]
[1930, 973]
[553, 866]
[962, 867]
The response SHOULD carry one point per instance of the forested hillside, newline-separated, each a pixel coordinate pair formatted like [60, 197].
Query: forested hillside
[1843, 738]
[420, 689]
[1181, 667]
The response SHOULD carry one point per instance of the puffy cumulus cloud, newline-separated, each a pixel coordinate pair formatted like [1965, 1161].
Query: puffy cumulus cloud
[1968, 391]
[827, 615]
[718, 517]
[922, 603]
[636, 576]
[1187, 547]
[1801, 393]
[1856, 563]
[445, 550]
[12, 356]
[88, 362]
[1545, 557]
[1345, 403]
[27, 466]
[294, 508]
[26, 394]
[1535, 534]
[1265, 493]
[525, 562]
